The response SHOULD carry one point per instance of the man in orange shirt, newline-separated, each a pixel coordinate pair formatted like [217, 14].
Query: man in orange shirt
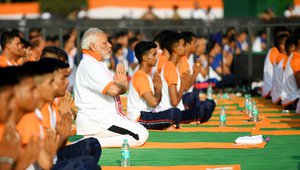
[21, 102]
[291, 78]
[269, 62]
[173, 85]
[36, 123]
[161, 40]
[31, 124]
[145, 92]
[11, 49]
[90, 146]
[8, 139]
[278, 69]
[191, 98]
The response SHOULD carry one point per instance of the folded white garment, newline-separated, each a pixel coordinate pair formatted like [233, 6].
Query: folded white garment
[249, 139]
[222, 168]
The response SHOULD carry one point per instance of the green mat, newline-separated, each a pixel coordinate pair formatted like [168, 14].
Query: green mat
[282, 152]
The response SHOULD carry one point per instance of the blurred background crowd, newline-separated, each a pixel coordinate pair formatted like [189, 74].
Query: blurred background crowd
[229, 33]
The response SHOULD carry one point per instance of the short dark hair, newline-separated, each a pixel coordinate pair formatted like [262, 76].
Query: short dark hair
[211, 44]
[54, 52]
[280, 39]
[14, 74]
[55, 63]
[279, 30]
[171, 41]
[188, 36]
[142, 48]
[121, 34]
[116, 47]
[26, 43]
[7, 37]
[132, 40]
[288, 44]
[39, 67]
[7, 77]
[162, 37]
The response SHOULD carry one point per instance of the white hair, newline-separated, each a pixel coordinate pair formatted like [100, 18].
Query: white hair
[89, 37]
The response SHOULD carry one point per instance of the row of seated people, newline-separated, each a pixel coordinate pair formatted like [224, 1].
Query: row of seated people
[157, 99]
[282, 70]
[42, 121]
[37, 114]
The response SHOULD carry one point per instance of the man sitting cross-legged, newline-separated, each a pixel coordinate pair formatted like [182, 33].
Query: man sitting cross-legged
[97, 96]
[145, 92]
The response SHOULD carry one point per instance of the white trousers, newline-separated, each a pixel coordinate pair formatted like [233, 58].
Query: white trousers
[118, 131]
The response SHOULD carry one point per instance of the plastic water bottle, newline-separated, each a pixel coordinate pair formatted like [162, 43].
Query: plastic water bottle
[223, 117]
[209, 92]
[254, 113]
[246, 104]
[125, 154]
[250, 108]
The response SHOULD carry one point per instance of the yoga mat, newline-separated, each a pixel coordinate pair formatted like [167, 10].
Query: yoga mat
[276, 132]
[208, 129]
[181, 167]
[230, 123]
[294, 125]
[200, 145]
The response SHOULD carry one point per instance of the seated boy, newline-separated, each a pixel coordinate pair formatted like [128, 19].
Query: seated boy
[145, 92]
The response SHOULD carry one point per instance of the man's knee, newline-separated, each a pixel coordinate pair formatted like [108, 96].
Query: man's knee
[176, 115]
[94, 146]
[143, 136]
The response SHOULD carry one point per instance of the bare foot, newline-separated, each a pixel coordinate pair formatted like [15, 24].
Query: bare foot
[170, 128]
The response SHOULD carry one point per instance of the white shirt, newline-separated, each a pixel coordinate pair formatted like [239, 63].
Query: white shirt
[268, 74]
[290, 90]
[277, 82]
[94, 107]
[135, 102]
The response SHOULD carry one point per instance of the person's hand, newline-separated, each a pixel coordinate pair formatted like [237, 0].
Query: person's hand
[64, 126]
[9, 142]
[157, 81]
[120, 76]
[65, 104]
[29, 154]
[197, 67]
[185, 79]
[51, 142]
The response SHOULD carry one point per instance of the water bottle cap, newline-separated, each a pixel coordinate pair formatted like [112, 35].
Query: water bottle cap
[223, 107]
[125, 141]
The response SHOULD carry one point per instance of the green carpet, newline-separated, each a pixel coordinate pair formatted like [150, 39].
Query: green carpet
[282, 152]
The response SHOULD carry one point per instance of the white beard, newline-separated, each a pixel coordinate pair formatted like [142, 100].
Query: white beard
[106, 57]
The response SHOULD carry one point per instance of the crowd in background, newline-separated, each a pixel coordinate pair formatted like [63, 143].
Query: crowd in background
[216, 51]
[200, 61]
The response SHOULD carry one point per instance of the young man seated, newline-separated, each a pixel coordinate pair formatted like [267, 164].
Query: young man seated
[47, 124]
[291, 78]
[279, 66]
[89, 146]
[190, 98]
[173, 85]
[145, 92]
[13, 156]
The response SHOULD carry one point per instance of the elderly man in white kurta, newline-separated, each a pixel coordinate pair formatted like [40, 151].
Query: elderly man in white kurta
[97, 96]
